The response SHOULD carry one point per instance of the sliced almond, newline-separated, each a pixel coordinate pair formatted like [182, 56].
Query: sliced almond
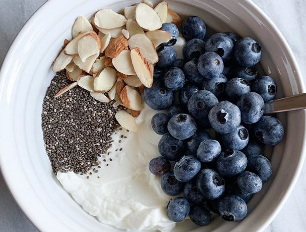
[150, 4]
[133, 27]
[147, 18]
[133, 81]
[162, 11]
[98, 66]
[112, 93]
[135, 113]
[129, 12]
[61, 62]
[70, 67]
[123, 63]
[89, 45]
[105, 39]
[76, 74]
[66, 41]
[130, 98]
[119, 86]
[126, 33]
[87, 82]
[173, 17]
[87, 65]
[143, 68]
[116, 46]
[108, 62]
[146, 47]
[117, 102]
[72, 47]
[108, 19]
[113, 32]
[158, 37]
[65, 89]
[95, 28]
[100, 97]
[126, 120]
[122, 76]
[80, 26]
[141, 89]
[105, 81]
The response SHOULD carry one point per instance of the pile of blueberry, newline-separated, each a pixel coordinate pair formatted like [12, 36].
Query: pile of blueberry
[214, 131]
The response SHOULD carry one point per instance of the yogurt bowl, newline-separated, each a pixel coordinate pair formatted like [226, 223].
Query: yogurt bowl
[26, 74]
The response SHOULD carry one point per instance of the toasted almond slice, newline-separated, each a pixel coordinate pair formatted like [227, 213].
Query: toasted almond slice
[87, 82]
[146, 47]
[118, 101]
[72, 47]
[122, 76]
[126, 33]
[115, 32]
[126, 120]
[123, 63]
[108, 19]
[70, 67]
[147, 18]
[173, 17]
[129, 12]
[141, 89]
[89, 45]
[94, 27]
[61, 62]
[76, 74]
[143, 68]
[80, 26]
[100, 97]
[150, 4]
[108, 62]
[116, 46]
[105, 39]
[162, 11]
[130, 98]
[119, 86]
[178, 46]
[112, 93]
[65, 89]
[133, 27]
[158, 37]
[133, 81]
[105, 81]
[99, 65]
[135, 113]
[87, 65]
[66, 41]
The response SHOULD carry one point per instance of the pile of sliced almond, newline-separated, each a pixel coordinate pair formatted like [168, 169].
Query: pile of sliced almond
[112, 55]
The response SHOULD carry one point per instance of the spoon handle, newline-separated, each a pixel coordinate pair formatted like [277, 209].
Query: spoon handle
[296, 102]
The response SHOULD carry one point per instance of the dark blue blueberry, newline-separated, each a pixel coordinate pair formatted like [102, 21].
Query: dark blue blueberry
[231, 162]
[170, 185]
[210, 65]
[221, 44]
[228, 70]
[199, 106]
[173, 110]
[186, 92]
[200, 215]
[159, 166]
[269, 130]
[247, 73]
[224, 117]
[233, 189]
[251, 106]
[236, 87]
[193, 194]
[253, 148]
[247, 52]
[182, 126]
[193, 49]
[249, 182]
[237, 139]
[159, 123]
[232, 208]
[174, 79]
[210, 183]
[234, 36]
[213, 205]
[166, 56]
[192, 73]
[261, 166]
[193, 28]
[172, 29]
[186, 168]
[158, 97]
[194, 141]
[216, 85]
[179, 63]
[178, 209]
[265, 87]
[171, 148]
[208, 150]
[158, 72]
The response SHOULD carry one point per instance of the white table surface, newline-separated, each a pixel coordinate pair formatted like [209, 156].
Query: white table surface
[288, 15]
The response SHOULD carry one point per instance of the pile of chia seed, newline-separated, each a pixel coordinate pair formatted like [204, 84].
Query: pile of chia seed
[77, 129]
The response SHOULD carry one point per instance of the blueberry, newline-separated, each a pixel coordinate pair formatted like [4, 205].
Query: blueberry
[186, 168]
[192, 73]
[172, 29]
[221, 44]
[210, 183]
[166, 56]
[232, 208]
[228, 70]
[159, 123]
[158, 97]
[247, 73]
[170, 185]
[182, 126]
[208, 150]
[233, 189]
[231, 162]
[193, 49]
[159, 166]
[193, 28]
[200, 215]
[186, 92]
[251, 106]
[213, 205]
[192, 193]
[210, 65]
[199, 106]
[194, 141]
[247, 52]
[173, 110]
[171, 148]
[234, 36]
[253, 148]
[236, 87]
[179, 63]
[174, 79]
[216, 85]
[224, 117]
[237, 139]
[261, 166]
[178, 209]
[269, 130]
[265, 87]
[249, 182]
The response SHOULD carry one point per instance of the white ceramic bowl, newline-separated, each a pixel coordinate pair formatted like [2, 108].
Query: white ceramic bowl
[26, 74]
